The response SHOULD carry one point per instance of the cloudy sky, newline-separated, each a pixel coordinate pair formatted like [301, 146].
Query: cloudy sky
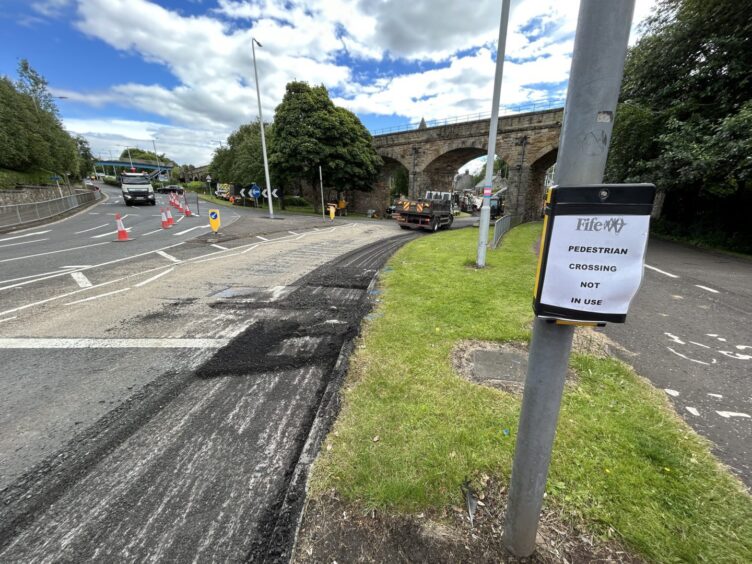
[180, 72]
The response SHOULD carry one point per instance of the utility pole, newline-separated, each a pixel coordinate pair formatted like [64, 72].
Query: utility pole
[600, 48]
[261, 124]
[485, 209]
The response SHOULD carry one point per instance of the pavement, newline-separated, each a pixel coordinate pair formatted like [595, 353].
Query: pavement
[688, 331]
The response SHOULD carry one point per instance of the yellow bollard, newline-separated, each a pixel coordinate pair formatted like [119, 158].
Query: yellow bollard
[332, 211]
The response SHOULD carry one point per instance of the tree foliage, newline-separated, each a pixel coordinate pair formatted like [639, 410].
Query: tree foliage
[310, 131]
[242, 160]
[144, 155]
[685, 117]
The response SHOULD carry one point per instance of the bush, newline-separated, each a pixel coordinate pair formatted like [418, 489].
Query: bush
[194, 185]
[111, 181]
[10, 178]
[297, 202]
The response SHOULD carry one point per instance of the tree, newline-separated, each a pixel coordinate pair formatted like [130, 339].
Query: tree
[143, 155]
[310, 131]
[242, 161]
[33, 84]
[85, 158]
[684, 118]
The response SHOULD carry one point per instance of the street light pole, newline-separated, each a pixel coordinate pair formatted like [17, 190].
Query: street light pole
[159, 165]
[261, 124]
[485, 209]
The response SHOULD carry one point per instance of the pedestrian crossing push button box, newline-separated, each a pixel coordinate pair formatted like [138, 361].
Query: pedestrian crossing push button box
[592, 251]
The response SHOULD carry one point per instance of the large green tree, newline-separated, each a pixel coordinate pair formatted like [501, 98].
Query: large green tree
[685, 118]
[310, 131]
[241, 161]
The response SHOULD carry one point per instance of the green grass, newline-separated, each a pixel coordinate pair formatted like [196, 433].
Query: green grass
[622, 460]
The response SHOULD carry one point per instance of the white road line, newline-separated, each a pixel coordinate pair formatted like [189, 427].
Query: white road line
[53, 343]
[93, 213]
[178, 220]
[168, 257]
[672, 393]
[220, 247]
[717, 396]
[54, 252]
[8, 318]
[23, 243]
[91, 229]
[728, 414]
[81, 279]
[262, 238]
[191, 229]
[293, 233]
[708, 289]
[693, 411]
[700, 344]
[152, 232]
[661, 271]
[687, 358]
[98, 296]
[153, 278]
[249, 249]
[675, 339]
[26, 235]
[109, 233]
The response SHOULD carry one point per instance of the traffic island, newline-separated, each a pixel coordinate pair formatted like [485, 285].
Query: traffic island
[417, 465]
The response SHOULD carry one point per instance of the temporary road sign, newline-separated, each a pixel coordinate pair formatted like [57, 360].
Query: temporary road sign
[242, 192]
[255, 190]
[274, 193]
[593, 251]
[214, 220]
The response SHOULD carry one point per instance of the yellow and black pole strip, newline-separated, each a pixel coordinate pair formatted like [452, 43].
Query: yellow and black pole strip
[592, 252]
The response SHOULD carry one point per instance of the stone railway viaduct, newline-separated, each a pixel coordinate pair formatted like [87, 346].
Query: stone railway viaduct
[527, 142]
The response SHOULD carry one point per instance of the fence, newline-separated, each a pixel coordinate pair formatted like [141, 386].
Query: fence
[501, 226]
[20, 214]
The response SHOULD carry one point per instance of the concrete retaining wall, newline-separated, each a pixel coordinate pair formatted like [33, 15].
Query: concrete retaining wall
[31, 194]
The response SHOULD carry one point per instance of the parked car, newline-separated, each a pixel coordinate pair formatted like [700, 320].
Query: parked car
[171, 188]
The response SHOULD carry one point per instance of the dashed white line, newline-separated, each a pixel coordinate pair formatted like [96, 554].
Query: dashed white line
[152, 232]
[25, 235]
[168, 256]
[178, 220]
[81, 280]
[293, 233]
[672, 393]
[728, 414]
[706, 288]
[128, 229]
[717, 396]
[153, 278]
[700, 344]
[98, 296]
[23, 243]
[8, 318]
[92, 229]
[54, 252]
[53, 343]
[661, 271]
[191, 229]
[262, 238]
[693, 411]
[220, 247]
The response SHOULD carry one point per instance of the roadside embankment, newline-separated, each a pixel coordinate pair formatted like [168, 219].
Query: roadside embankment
[629, 480]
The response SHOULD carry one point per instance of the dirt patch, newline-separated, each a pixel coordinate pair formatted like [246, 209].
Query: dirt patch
[596, 343]
[334, 531]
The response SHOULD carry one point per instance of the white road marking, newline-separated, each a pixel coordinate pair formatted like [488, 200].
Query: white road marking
[687, 358]
[98, 296]
[219, 247]
[262, 238]
[191, 229]
[249, 249]
[168, 257]
[81, 280]
[722, 339]
[700, 345]
[735, 355]
[152, 232]
[661, 271]
[23, 242]
[677, 297]
[8, 318]
[717, 396]
[675, 339]
[93, 213]
[26, 235]
[54, 252]
[293, 233]
[711, 334]
[693, 411]
[728, 414]
[109, 233]
[672, 393]
[91, 229]
[153, 278]
[178, 220]
[54, 343]
[706, 288]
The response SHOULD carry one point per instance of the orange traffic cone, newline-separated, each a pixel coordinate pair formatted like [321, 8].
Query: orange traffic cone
[170, 221]
[165, 223]
[122, 234]
[186, 210]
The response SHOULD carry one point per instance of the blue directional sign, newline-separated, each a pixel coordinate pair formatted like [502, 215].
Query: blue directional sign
[255, 190]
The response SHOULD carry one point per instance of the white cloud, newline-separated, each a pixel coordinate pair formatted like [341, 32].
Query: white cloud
[50, 8]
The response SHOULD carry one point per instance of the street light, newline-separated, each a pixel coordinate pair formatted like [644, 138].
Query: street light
[261, 123]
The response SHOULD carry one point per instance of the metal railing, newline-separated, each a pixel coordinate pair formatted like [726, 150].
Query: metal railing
[503, 111]
[20, 214]
[501, 226]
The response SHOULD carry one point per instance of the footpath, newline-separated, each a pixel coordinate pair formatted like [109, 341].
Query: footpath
[416, 467]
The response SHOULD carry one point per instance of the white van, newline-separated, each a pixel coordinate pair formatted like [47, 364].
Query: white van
[136, 187]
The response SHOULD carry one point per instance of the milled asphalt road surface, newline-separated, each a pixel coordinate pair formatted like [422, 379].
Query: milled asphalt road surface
[169, 407]
[688, 331]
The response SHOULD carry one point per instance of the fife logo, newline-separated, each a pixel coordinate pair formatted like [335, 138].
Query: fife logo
[614, 224]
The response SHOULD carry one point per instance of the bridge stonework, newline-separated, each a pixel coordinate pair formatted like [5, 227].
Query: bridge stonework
[527, 142]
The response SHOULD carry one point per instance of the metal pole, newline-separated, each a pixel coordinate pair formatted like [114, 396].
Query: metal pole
[485, 210]
[261, 124]
[321, 182]
[600, 47]
[159, 165]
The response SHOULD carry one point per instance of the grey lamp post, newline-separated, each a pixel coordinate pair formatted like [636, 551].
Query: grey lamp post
[261, 124]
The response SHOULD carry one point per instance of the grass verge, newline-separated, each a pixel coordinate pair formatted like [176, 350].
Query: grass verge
[411, 431]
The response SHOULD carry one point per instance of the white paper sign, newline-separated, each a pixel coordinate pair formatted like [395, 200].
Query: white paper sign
[595, 262]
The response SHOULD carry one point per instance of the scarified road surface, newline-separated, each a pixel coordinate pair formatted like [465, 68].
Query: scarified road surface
[196, 462]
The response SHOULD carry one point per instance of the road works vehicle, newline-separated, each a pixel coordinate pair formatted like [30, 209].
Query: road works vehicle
[136, 187]
[432, 212]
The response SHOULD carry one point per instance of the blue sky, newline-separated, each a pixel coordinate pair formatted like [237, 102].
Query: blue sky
[180, 72]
